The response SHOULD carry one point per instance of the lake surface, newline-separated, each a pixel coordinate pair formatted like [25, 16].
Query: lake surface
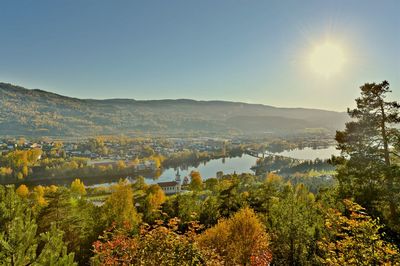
[310, 153]
[245, 162]
[238, 164]
[207, 170]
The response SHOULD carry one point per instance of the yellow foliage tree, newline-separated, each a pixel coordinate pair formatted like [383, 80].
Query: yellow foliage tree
[25, 171]
[39, 190]
[155, 197]
[22, 191]
[119, 207]
[196, 182]
[20, 176]
[51, 188]
[4, 171]
[121, 165]
[77, 187]
[38, 196]
[158, 159]
[355, 239]
[240, 240]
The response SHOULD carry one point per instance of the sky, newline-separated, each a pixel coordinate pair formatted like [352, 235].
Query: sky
[236, 50]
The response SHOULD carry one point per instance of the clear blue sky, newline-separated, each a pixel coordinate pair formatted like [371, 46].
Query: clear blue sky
[241, 50]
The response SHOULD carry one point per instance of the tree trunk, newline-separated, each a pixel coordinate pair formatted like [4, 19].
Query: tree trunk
[392, 204]
[384, 135]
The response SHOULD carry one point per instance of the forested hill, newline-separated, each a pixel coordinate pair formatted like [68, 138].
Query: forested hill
[40, 113]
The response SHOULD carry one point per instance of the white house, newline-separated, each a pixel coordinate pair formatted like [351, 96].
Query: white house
[172, 187]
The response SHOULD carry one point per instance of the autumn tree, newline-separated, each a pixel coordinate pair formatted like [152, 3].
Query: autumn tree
[22, 191]
[119, 206]
[157, 159]
[78, 188]
[20, 161]
[157, 245]
[354, 239]
[121, 165]
[196, 182]
[155, 197]
[240, 239]
[38, 196]
[140, 183]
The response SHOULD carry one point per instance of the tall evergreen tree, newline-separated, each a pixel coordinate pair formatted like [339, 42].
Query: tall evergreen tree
[366, 170]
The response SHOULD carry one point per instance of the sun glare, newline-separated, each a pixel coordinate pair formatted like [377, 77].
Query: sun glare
[327, 59]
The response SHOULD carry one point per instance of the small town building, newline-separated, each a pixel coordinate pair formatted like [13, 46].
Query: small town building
[172, 187]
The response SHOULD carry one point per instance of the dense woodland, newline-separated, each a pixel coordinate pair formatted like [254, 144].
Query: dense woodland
[264, 219]
[40, 113]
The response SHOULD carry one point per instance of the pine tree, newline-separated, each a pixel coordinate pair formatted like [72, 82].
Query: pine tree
[20, 243]
[366, 170]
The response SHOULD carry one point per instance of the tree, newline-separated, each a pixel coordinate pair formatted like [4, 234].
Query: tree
[156, 245]
[365, 169]
[20, 243]
[209, 212]
[354, 239]
[25, 171]
[294, 224]
[140, 183]
[119, 206]
[240, 240]
[196, 182]
[155, 196]
[38, 196]
[78, 188]
[121, 165]
[157, 159]
[263, 198]
[22, 191]
[186, 206]
[54, 251]
[230, 199]
[150, 202]
[77, 218]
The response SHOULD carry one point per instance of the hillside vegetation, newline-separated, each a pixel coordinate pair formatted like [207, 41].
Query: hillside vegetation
[40, 113]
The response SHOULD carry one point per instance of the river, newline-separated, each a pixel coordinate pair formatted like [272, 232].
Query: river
[310, 153]
[238, 164]
[245, 162]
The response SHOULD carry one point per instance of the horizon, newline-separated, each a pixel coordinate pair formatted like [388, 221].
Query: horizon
[252, 52]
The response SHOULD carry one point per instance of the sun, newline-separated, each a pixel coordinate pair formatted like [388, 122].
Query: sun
[327, 59]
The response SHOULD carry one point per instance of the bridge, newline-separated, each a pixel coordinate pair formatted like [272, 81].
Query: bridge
[260, 155]
[256, 154]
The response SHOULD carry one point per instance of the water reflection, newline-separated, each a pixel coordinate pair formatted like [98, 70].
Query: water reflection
[207, 169]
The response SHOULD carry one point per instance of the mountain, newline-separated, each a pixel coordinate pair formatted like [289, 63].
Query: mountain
[40, 113]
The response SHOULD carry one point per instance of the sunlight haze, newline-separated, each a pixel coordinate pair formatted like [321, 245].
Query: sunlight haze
[327, 59]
